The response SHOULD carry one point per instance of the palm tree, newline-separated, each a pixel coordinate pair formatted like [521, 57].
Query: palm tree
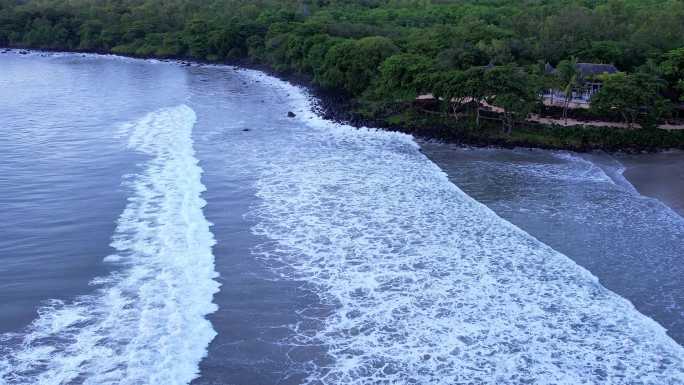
[570, 78]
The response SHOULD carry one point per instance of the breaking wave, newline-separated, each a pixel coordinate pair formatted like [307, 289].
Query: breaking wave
[429, 286]
[145, 324]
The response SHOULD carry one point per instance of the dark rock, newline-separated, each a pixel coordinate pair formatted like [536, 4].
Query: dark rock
[23, 52]
[291, 114]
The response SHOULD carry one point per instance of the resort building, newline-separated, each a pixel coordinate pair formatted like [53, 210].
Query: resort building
[589, 85]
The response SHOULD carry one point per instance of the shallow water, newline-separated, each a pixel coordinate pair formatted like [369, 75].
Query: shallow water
[339, 255]
[582, 206]
[660, 176]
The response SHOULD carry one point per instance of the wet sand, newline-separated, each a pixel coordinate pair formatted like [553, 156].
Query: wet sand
[659, 176]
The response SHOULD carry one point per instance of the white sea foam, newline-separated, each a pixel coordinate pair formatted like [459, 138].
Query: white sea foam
[145, 324]
[573, 169]
[31, 53]
[615, 170]
[429, 286]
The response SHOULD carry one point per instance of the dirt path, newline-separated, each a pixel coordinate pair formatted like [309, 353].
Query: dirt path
[595, 123]
[566, 122]
[592, 123]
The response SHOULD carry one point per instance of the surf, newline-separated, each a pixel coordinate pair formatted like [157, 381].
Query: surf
[145, 322]
[427, 285]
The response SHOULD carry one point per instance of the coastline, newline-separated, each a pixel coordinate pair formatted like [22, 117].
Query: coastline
[340, 108]
[369, 161]
[657, 174]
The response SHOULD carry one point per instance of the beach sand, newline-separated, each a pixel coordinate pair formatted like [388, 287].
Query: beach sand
[659, 176]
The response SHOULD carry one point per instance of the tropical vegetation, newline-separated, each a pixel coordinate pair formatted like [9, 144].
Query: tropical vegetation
[382, 54]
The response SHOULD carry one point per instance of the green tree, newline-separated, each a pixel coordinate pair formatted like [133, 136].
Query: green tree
[569, 78]
[514, 90]
[196, 37]
[605, 52]
[457, 88]
[447, 86]
[476, 88]
[90, 35]
[673, 69]
[636, 97]
[402, 76]
[351, 65]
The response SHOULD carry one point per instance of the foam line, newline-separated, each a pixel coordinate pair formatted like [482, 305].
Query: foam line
[429, 286]
[145, 324]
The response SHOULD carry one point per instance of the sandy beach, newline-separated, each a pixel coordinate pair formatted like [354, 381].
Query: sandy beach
[659, 175]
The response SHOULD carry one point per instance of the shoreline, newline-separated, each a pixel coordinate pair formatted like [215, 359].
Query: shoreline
[339, 108]
[659, 176]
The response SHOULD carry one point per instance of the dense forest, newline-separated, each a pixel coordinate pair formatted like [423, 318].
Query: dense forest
[381, 54]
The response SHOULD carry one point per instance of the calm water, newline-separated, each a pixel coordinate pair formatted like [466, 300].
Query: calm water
[166, 224]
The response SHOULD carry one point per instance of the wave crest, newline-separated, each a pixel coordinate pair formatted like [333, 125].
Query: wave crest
[146, 321]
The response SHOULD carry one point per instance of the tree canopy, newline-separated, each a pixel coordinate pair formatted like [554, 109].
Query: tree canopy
[636, 97]
[389, 50]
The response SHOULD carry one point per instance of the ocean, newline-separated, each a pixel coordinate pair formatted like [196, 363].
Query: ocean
[171, 224]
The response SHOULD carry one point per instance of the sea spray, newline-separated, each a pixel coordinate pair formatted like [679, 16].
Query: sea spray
[145, 324]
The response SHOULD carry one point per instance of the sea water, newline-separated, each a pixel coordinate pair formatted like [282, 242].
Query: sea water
[247, 247]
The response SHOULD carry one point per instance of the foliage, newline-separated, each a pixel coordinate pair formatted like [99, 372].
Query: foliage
[387, 51]
[635, 96]
[569, 78]
[402, 76]
[673, 68]
[513, 89]
[458, 87]
[351, 65]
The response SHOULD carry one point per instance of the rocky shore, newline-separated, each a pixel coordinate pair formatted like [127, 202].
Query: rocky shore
[407, 118]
